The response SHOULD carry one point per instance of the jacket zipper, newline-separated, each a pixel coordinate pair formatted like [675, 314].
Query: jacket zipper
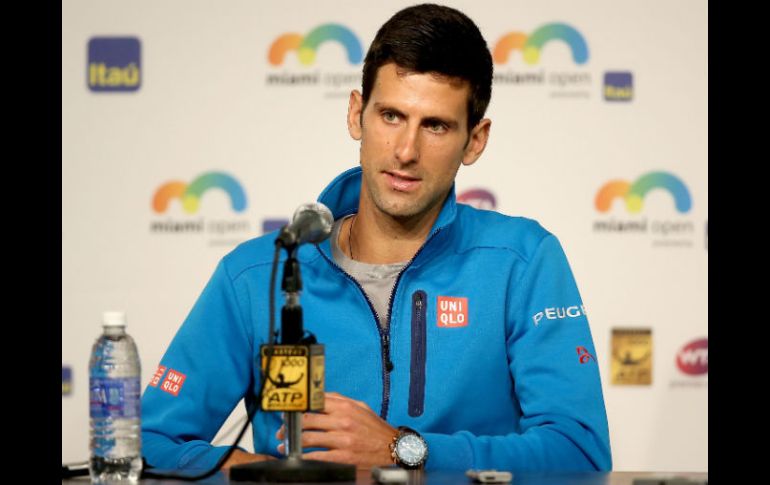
[419, 344]
[386, 379]
[387, 364]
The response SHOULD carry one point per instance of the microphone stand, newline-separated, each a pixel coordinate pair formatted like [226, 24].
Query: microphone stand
[291, 334]
[293, 468]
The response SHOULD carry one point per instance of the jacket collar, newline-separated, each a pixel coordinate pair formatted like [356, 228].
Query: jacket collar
[341, 196]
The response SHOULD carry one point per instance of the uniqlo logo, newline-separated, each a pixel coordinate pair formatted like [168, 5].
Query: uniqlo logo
[158, 374]
[452, 311]
[172, 384]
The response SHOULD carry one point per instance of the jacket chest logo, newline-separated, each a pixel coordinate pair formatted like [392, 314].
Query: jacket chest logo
[452, 311]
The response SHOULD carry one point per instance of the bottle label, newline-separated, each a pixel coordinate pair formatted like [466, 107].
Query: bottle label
[116, 397]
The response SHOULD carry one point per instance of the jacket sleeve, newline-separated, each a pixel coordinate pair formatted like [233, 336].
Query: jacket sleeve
[209, 361]
[563, 419]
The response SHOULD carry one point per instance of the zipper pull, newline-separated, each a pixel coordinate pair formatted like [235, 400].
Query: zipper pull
[386, 352]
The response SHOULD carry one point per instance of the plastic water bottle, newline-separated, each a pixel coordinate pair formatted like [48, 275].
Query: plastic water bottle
[115, 412]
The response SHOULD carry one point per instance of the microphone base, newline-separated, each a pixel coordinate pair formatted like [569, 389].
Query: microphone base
[293, 470]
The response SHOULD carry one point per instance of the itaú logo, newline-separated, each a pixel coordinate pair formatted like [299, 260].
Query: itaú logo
[114, 64]
[693, 359]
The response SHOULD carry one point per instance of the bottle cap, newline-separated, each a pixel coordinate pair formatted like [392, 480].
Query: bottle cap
[114, 319]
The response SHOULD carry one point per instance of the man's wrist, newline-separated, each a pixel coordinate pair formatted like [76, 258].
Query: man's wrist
[408, 448]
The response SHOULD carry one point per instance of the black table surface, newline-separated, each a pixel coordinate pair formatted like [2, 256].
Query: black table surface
[434, 477]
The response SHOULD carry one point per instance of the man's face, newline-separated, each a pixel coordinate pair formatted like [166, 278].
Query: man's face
[414, 136]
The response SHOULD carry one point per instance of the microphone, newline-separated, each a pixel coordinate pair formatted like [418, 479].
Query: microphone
[312, 223]
[293, 371]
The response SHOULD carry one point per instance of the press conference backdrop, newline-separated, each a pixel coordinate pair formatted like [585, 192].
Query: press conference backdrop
[188, 127]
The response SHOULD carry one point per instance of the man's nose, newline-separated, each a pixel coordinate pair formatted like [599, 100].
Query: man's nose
[408, 145]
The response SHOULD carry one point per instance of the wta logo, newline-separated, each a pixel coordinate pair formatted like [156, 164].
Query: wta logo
[693, 359]
[634, 192]
[190, 194]
[478, 198]
[531, 45]
[307, 46]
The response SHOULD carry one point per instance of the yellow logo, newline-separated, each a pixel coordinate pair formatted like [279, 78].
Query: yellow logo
[631, 356]
[295, 381]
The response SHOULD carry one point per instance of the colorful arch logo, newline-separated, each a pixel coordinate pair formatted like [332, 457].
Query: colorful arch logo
[307, 46]
[634, 193]
[478, 198]
[190, 194]
[531, 45]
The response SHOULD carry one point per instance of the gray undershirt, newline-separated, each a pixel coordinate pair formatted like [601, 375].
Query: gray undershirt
[377, 280]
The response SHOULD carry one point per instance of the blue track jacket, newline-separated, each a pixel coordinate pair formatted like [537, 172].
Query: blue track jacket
[492, 356]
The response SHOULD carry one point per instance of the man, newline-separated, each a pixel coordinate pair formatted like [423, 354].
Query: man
[455, 326]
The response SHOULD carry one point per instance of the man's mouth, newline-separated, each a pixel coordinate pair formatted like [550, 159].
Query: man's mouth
[402, 182]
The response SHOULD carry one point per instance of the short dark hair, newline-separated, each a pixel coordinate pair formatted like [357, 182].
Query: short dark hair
[434, 38]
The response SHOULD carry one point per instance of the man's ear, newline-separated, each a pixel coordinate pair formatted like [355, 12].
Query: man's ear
[355, 109]
[477, 141]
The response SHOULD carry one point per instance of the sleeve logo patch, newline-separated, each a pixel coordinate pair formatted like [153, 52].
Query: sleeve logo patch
[584, 356]
[452, 311]
[158, 374]
[173, 382]
[559, 313]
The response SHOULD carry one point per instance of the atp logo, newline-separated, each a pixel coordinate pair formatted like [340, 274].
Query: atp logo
[478, 198]
[190, 194]
[531, 45]
[633, 193]
[306, 46]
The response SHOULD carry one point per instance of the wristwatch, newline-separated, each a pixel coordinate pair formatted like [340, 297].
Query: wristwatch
[408, 449]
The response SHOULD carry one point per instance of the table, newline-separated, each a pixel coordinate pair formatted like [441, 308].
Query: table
[363, 477]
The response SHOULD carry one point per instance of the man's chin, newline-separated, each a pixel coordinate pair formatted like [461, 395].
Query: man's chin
[402, 212]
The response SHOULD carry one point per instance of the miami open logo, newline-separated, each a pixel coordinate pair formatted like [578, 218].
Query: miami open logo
[307, 45]
[668, 228]
[191, 194]
[633, 193]
[532, 45]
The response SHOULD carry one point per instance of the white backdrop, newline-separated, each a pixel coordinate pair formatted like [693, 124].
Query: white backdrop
[208, 100]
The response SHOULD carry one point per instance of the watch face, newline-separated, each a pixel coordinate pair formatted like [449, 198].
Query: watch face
[411, 449]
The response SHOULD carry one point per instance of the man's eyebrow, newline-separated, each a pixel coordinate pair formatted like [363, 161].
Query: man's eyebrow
[385, 107]
[432, 120]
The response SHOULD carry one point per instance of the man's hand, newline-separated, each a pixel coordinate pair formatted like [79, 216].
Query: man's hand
[349, 429]
[238, 457]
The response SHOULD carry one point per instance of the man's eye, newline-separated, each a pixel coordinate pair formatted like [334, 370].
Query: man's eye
[389, 116]
[437, 127]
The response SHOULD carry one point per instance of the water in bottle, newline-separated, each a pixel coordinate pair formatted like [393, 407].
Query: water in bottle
[114, 373]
